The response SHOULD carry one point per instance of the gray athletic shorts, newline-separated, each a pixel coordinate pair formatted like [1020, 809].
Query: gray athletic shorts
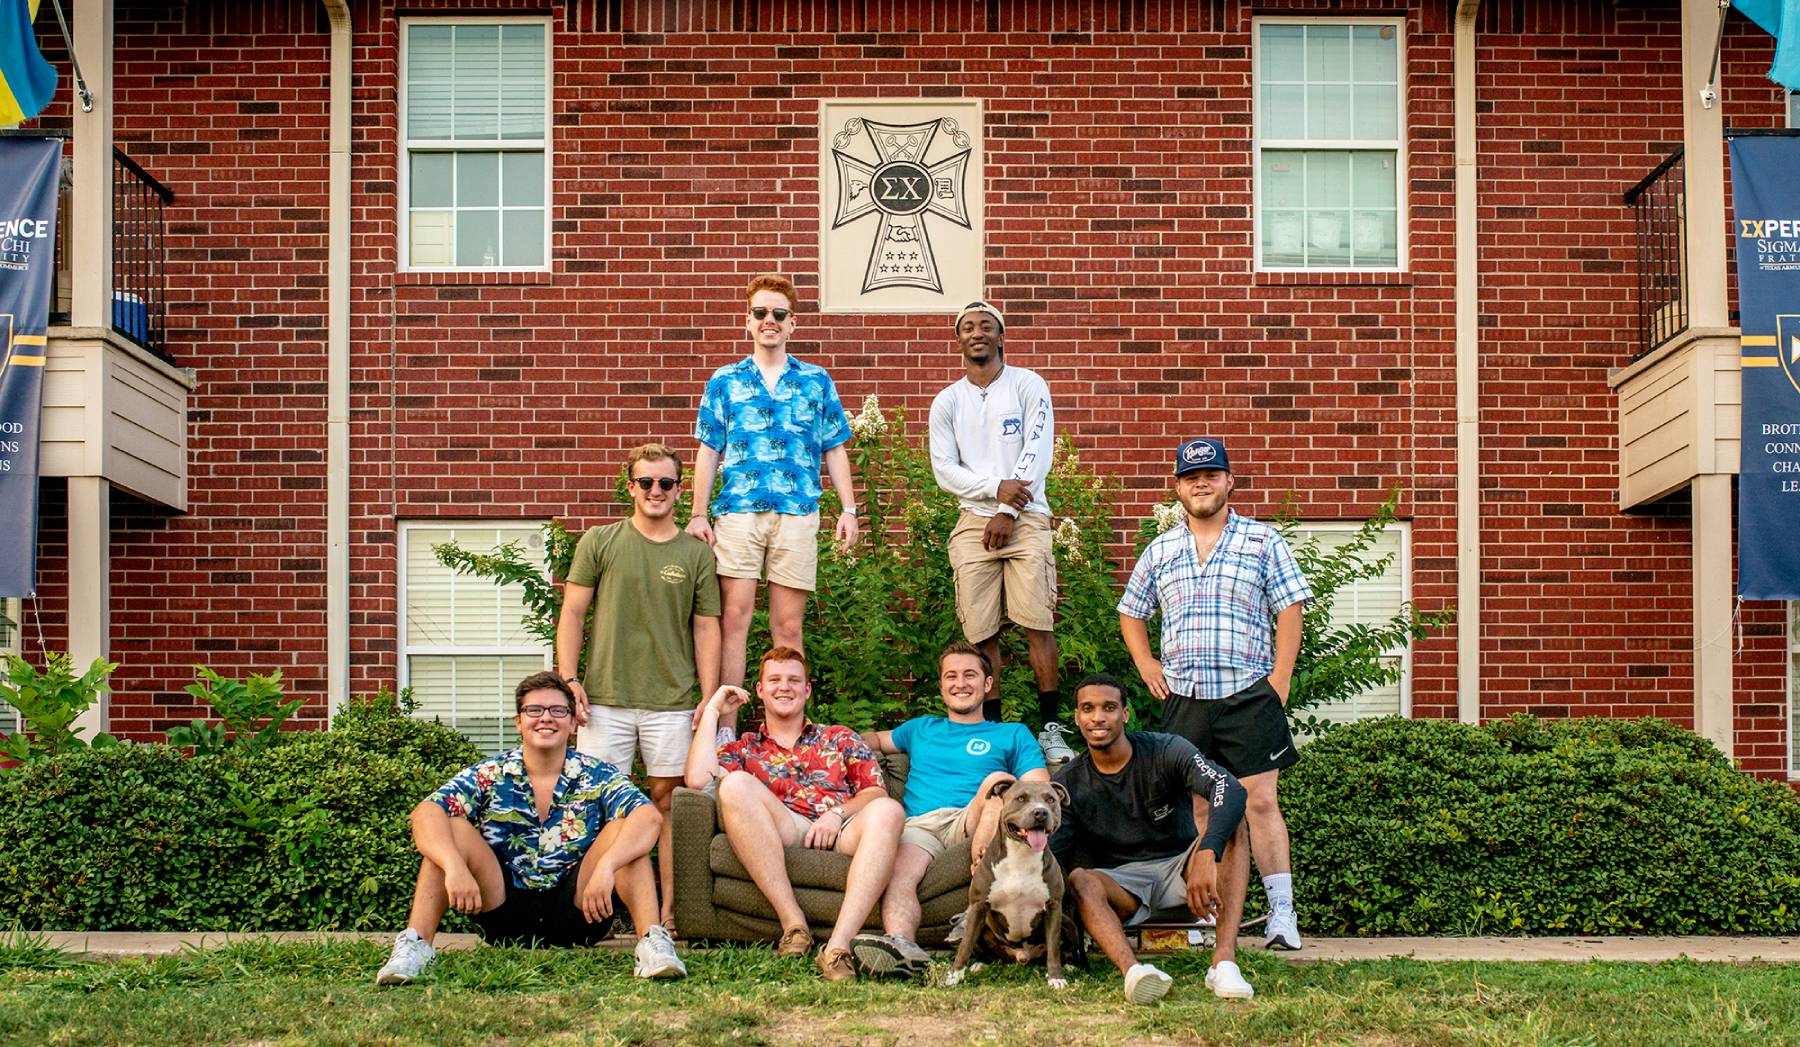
[1157, 883]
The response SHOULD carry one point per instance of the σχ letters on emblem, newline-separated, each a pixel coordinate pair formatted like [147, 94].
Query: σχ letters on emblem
[891, 170]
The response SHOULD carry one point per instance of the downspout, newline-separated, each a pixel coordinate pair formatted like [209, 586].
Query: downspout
[1468, 380]
[337, 371]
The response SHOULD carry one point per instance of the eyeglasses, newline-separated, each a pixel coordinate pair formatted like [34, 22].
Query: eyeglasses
[646, 482]
[555, 712]
[781, 315]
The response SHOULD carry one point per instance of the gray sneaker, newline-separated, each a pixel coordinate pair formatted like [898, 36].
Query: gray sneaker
[1056, 749]
[889, 956]
[656, 956]
[411, 955]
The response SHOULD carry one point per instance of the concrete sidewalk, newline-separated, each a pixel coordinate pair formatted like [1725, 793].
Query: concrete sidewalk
[113, 945]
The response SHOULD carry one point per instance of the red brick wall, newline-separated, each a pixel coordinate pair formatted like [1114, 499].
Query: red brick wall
[1119, 243]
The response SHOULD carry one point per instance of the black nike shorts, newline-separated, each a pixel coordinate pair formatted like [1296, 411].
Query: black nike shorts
[551, 916]
[1247, 733]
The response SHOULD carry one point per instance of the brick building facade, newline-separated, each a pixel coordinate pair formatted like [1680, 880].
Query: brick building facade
[1121, 233]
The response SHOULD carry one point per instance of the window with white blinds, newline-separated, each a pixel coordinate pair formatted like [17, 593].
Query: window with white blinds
[475, 172]
[1328, 117]
[1368, 602]
[11, 642]
[464, 646]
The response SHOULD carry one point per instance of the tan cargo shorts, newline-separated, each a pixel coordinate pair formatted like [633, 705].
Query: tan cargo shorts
[1023, 571]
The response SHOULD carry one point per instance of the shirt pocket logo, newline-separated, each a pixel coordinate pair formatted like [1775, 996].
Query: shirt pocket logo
[1012, 427]
[978, 747]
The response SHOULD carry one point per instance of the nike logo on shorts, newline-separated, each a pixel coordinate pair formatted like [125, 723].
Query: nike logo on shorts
[1276, 755]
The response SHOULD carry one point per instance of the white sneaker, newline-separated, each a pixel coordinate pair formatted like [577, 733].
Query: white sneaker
[1227, 982]
[1145, 984]
[1283, 928]
[1056, 749]
[954, 935]
[411, 955]
[656, 956]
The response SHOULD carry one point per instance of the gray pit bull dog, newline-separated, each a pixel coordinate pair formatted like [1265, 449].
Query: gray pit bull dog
[1016, 896]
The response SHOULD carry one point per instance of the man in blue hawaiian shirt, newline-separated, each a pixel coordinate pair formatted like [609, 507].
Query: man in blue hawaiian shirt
[766, 424]
[537, 844]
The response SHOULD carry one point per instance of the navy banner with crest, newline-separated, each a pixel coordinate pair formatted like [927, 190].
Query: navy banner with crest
[1765, 186]
[30, 170]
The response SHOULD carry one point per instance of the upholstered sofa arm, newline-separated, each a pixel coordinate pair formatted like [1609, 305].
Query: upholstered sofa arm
[696, 820]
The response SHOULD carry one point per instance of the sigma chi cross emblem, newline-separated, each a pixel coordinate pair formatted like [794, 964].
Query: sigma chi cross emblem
[893, 170]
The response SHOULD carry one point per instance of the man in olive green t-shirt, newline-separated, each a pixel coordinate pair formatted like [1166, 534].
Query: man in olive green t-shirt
[654, 648]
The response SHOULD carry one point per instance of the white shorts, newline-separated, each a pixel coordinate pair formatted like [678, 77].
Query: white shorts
[616, 735]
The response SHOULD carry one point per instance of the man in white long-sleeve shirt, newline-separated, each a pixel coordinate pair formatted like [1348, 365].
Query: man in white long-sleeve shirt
[992, 434]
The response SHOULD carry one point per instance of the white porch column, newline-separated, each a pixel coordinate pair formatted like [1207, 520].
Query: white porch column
[90, 588]
[91, 213]
[1702, 132]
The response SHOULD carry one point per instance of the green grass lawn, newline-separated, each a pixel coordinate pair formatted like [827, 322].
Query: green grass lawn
[260, 993]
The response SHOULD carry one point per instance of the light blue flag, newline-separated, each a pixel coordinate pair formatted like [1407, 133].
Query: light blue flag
[1781, 19]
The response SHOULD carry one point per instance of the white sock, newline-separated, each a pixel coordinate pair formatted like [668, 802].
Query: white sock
[1280, 889]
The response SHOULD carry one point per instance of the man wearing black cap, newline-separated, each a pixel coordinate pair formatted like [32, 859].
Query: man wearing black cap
[1230, 595]
[992, 434]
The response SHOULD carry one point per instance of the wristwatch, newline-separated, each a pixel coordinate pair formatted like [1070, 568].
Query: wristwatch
[848, 510]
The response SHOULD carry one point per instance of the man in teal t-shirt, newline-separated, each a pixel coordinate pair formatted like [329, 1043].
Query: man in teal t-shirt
[955, 760]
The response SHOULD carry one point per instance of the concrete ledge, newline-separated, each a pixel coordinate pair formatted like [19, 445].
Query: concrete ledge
[114, 945]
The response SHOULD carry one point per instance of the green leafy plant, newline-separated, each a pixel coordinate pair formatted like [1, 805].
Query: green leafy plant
[49, 702]
[540, 584]
[252, 711]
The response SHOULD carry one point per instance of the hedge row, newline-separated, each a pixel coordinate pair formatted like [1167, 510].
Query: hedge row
[1524, 826]
[1399, 827]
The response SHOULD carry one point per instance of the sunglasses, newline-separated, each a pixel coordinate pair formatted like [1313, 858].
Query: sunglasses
[646, 482]
[555, 712]
[762, 312]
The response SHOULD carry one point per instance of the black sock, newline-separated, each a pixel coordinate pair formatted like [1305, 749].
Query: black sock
[990, 710]
[1049, 706]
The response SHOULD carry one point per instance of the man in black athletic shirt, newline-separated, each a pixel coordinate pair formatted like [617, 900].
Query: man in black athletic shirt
[1136, 800]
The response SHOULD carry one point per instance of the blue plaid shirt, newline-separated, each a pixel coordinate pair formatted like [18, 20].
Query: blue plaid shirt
[1218, 618]
[770, 446]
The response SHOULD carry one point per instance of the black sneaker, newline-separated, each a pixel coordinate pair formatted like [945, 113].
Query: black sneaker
[888, 956]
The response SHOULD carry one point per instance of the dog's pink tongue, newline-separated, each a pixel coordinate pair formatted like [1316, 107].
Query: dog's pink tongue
[1036, 838]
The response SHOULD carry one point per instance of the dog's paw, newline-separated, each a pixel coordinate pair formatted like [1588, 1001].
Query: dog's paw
[954, 977]
[976, 967]
[1058, 983]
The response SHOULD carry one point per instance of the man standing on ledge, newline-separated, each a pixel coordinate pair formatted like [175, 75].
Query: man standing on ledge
[768, 422]
[992, 436]
[1230, 595]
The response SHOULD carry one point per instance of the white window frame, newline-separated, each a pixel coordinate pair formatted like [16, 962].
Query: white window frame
[14, 609]
[406, 651]
[1258, 143]
[457, 145]
[1402, 561]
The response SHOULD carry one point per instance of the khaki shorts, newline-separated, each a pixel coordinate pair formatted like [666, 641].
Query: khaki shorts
[616, 735]
[805, 824]
[1024, 570]
[779, 547]
[937, 831]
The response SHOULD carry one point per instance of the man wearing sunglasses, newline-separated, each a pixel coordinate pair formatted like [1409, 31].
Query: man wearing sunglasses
[653, 647]
[540, 844]
[992, 435]
[766, 424]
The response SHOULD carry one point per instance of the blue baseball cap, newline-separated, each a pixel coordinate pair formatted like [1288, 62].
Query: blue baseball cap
[1201, 453]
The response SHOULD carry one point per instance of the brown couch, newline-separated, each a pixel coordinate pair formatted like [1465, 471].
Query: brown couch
[716, 899]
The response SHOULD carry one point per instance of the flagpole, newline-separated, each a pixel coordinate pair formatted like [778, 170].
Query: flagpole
[87, 97]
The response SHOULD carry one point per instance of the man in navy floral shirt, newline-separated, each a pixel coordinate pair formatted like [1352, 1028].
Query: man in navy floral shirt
[794, 783]
[537, 844]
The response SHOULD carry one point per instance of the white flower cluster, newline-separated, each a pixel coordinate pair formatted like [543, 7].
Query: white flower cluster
[1168, 516]
[871, 422]
[1068, 539]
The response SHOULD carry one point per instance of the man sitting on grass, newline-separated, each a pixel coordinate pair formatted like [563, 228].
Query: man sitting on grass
[795, 783]
[1135, 799]
[538, 845]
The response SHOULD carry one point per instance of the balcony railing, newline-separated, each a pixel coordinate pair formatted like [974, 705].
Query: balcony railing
[1659, 213]
[140, 283]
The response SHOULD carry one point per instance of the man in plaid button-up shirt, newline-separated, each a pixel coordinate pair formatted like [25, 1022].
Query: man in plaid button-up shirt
[1230, 595]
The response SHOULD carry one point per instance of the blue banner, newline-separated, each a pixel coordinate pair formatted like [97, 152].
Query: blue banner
[1765, 188]
[30, 170]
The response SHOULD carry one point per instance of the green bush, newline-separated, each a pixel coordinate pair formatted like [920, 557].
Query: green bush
[1523, 826]
[310, 833]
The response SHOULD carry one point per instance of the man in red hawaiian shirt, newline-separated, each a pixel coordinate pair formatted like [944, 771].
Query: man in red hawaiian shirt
[794, 783]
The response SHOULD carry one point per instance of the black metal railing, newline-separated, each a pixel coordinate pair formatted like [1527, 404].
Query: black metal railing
[1659, 214]
[140, 284]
